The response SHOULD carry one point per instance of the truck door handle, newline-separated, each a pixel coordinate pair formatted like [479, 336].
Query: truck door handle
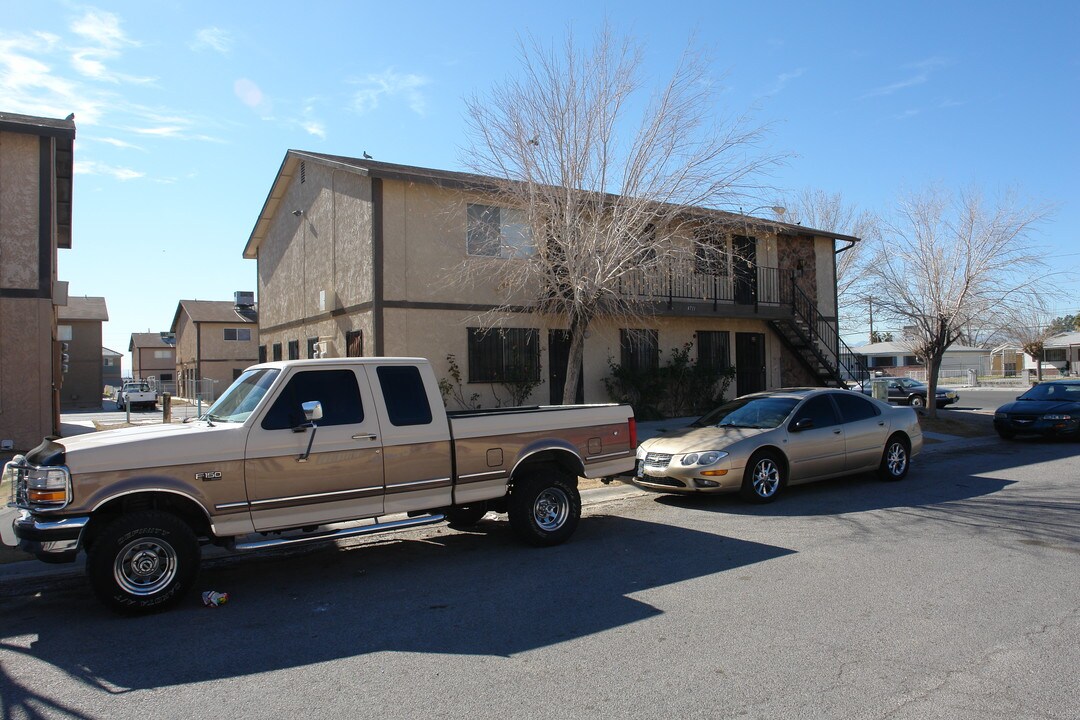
[368, 436]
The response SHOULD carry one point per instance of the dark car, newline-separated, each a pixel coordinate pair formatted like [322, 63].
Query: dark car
[905, 391]
[1050, 409]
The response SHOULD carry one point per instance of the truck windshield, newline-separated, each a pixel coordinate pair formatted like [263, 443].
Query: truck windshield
[243, 396]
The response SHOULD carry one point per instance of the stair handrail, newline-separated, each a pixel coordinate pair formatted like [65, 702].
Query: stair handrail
[824, 331]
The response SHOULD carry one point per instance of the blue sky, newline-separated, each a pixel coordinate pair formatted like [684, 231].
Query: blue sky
[184, 110]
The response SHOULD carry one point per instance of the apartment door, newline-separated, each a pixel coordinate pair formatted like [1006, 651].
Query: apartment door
[558, 355]
[749, 362]
[744, 269]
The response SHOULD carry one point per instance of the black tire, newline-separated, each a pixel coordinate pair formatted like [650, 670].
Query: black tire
[463, 516]
[764, 478]
[896, 459]
[143, 562]
[544, 507]
[917, 401]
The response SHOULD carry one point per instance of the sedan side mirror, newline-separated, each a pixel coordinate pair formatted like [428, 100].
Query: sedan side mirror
[802, 424]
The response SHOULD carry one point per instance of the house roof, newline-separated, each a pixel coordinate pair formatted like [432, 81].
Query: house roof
[446, 178]
[210, 311]
[43, 126]
[149, 340]
[83, 308]
[902, 348]
[1063, 340]
[106, 352]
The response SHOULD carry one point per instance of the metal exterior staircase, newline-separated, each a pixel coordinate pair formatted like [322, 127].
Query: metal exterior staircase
[816, 342]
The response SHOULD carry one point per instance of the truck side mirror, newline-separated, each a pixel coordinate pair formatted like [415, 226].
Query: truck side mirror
[312, 410]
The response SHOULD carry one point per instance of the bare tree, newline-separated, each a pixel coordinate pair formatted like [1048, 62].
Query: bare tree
[604, 181]
[824, 211]
[1029, 327]
[946, 260]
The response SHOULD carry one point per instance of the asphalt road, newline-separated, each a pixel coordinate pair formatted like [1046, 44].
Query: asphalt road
[953, 594]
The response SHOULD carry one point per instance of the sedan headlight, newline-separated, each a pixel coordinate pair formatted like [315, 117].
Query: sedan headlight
[704, 458]
[1057, 417]
[1000, 415]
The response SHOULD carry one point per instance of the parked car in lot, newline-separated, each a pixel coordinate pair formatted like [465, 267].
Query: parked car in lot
[1050, 409]
[759, 444]
[906, 391]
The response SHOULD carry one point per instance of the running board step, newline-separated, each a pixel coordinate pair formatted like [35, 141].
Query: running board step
[338, 534]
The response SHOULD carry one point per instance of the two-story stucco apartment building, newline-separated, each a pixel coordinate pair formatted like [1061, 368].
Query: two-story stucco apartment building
[79, 331]
[215, 342]
[357, 257]
[35, 221]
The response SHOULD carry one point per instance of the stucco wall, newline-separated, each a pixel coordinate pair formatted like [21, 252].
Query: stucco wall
[83, 383]
[26, 324]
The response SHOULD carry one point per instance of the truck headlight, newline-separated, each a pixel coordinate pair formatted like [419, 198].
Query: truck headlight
[48, 486]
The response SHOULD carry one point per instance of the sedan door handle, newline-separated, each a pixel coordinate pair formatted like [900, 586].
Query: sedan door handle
[368, 436]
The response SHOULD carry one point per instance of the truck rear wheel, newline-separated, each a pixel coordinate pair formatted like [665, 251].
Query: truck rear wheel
[544, 507]
[143, 562]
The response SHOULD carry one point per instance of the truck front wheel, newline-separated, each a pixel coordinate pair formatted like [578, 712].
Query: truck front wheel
[143, 562]
[544, 507]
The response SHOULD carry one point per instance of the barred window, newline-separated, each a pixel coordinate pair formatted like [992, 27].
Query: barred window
[294, 349]
[713, 349]
[640, 349]
[506, 355]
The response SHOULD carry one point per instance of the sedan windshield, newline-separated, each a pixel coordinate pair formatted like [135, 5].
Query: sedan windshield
[750, 412]
[1053, 391]
[243, 396]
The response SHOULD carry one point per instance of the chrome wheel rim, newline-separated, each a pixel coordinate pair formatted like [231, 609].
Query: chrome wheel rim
[766, 478]
[896, 459]
[917, 401]
[145, 566]
[551, 509]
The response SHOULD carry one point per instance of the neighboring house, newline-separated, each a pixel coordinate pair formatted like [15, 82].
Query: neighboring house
[35, 221]
[79, 332]
[355, 257]
[215, 342]
[110, 368]
[153, 356]
[1061, 356]
[896, 358]
[1006, 361]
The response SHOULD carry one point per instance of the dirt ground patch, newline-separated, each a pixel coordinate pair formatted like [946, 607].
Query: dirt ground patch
[961, 424]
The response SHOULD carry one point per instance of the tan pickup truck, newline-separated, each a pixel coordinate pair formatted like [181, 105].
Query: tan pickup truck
[300, 451]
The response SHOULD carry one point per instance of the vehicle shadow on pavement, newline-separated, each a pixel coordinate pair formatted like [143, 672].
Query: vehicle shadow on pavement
[961, 486]
[473, 593]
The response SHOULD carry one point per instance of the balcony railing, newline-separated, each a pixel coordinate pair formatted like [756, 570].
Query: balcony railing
[762, 286]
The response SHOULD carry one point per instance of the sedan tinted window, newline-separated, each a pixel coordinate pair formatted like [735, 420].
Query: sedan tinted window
[854, 408]
[819, 409]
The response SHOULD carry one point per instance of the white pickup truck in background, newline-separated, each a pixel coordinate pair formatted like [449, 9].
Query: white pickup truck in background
[134, 395]
[291, 451]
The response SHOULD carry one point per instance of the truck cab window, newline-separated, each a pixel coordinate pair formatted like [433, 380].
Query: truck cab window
[335, 389]
[404, 394]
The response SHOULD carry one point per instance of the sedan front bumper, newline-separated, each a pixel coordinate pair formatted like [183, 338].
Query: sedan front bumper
[1028, 425]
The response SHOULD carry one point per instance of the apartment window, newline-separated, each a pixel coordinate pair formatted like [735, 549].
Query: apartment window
[238, 334]
[504, 355]
[1054, 354]
[63, 333]
[354, 343]
[277, 351]
[713, 349]
[640, 349]
[911, 360]
[163, 354]
[262, 353]
[110, 362]
[498, 232]
[883, 361]
[166, 377]
[294, 349]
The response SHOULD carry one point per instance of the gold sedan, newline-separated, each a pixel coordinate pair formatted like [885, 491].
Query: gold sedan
[759, 444]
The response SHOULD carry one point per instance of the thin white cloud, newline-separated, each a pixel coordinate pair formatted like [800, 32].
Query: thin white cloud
[314, 127]
[923, 70]
[105, 41]
[783, 79]
[115, 142]
[91, 167]
[213, 38]
[907, 114]
[389, 83]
